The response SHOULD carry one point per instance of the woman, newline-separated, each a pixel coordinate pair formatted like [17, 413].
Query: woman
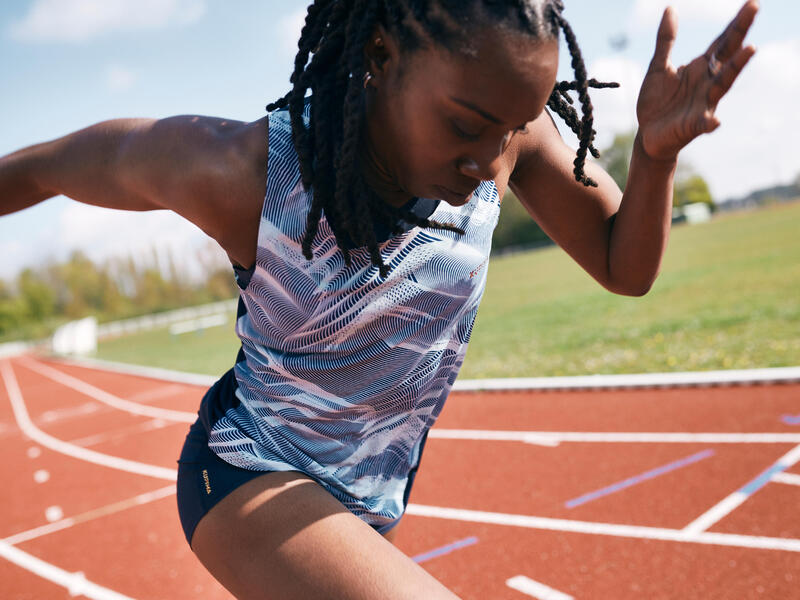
[362, 266]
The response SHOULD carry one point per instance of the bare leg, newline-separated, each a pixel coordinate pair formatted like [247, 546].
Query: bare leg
[283, 536]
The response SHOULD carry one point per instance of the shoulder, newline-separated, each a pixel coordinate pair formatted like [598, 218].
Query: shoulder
[217, 176]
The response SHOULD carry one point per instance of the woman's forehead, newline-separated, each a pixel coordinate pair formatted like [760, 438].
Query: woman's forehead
[501, 82]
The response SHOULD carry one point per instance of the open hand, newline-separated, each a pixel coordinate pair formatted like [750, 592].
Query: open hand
[677, 105]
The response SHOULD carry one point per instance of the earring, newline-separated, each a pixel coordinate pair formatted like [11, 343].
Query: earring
[367, 79]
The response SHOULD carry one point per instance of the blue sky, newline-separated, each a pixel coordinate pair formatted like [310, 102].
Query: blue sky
[64, 66]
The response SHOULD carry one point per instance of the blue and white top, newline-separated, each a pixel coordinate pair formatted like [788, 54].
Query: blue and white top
[344, 372]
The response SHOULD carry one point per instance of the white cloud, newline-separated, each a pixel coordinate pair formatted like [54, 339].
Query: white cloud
[755, 147]
[84, 20]
[615, 109]
[103, 233]
[119, 78]
[647, 13]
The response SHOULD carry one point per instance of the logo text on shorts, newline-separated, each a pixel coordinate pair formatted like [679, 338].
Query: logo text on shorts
[206, 481]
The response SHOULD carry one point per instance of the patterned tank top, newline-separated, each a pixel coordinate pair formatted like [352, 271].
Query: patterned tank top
[343, 372]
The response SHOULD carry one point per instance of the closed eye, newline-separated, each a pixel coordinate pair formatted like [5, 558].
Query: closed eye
[460, 132]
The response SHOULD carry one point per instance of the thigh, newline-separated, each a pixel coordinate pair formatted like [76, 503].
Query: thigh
[282, 535]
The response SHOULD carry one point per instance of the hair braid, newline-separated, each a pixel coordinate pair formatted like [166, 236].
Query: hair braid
[587, 133]
[330, 64]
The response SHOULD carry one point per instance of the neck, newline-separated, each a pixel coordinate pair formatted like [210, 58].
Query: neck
[378, 176]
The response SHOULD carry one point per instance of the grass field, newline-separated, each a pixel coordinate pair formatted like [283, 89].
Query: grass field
[728, 297]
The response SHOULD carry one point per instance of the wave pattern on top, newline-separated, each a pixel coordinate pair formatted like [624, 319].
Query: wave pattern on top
[344, 371]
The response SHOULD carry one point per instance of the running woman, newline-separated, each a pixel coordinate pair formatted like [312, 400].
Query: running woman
[358, 218]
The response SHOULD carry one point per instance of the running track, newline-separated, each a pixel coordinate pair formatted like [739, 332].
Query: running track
[676, 492]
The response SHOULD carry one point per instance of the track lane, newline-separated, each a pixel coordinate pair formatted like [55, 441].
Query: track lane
[561, 570]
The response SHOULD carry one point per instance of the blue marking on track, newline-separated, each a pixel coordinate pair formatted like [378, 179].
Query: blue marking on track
[791, 419]
[762, 479]
[445, 549]
[638, 479]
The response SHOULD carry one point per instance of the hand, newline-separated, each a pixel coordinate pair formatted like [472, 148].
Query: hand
[677, 105]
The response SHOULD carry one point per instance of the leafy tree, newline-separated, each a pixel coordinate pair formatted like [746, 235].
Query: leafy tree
[37, 296]
[616, 159]
[691, 190]
[515, 226]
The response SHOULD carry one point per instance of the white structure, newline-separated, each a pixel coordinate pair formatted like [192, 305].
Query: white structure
[76, 337]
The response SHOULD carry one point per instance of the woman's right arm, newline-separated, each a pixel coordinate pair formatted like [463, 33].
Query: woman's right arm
[209, 170]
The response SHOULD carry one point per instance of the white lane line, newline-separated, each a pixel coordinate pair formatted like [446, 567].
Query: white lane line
[687, 378]
[75, 583]
[553, 438]
[98, 438]
[789, 478]
[95, 513]
[28, 428]
[158, 393]
[140, 371]
[629, 531]
[728, 504]
[106, 398]
[674, 379]
[528, 586]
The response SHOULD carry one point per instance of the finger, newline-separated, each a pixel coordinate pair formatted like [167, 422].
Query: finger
[667, 31]
[730, 71]
[731, 39]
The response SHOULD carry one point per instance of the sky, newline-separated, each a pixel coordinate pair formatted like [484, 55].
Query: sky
[66, 64]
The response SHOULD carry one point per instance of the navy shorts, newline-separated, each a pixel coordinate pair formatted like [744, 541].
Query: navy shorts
[204, 478]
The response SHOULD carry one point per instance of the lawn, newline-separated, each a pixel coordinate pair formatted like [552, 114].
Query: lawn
[728, 297]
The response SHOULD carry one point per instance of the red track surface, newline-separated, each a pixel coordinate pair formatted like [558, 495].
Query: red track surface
[138, 550]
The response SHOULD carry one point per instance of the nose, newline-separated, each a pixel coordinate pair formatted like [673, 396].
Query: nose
[483, 162]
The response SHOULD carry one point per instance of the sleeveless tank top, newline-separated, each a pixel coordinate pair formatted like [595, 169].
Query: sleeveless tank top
[342, 372]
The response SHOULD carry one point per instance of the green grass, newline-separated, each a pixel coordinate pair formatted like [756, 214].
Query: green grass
[211, 351]
[728, 297]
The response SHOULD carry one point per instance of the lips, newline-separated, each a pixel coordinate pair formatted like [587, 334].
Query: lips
[457, 196]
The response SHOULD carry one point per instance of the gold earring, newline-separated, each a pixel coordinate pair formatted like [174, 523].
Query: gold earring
[367, 79]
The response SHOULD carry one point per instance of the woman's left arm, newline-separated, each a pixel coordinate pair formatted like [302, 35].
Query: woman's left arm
[619, 238]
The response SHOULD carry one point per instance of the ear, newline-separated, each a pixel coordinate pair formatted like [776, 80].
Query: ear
[381, 54]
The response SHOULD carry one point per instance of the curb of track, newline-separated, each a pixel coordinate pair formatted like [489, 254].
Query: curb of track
[775, 375]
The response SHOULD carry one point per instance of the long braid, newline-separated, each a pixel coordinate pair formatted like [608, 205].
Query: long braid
[330, 63]
[587, 133]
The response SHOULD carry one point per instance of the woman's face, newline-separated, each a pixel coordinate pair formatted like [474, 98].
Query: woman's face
[441, 124]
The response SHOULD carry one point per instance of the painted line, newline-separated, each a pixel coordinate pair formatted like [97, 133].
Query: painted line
[75, 583]
[610, 529]
[122, 432]
[553, 438]
[106, 398]
[728, 504]
[528, 586]
[90, 515]
[789, 478]
[689, 378]
[791, 419]
[141, 371]
[28, 428]
[638, 380]
[420, 558]
[631, 481]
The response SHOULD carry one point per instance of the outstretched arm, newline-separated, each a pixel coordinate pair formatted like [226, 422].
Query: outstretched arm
[211, 171]
[620, 239]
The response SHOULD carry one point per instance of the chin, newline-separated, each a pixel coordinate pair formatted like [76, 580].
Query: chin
[451, 197]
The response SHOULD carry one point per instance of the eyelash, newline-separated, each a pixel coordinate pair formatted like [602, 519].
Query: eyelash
[475, 137]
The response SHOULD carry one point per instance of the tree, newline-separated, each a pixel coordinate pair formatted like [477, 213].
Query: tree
[690, 190]
[515, 226]
[37, 297]
[616, 159]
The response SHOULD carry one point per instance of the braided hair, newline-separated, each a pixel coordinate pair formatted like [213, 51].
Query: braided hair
[330, 63]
